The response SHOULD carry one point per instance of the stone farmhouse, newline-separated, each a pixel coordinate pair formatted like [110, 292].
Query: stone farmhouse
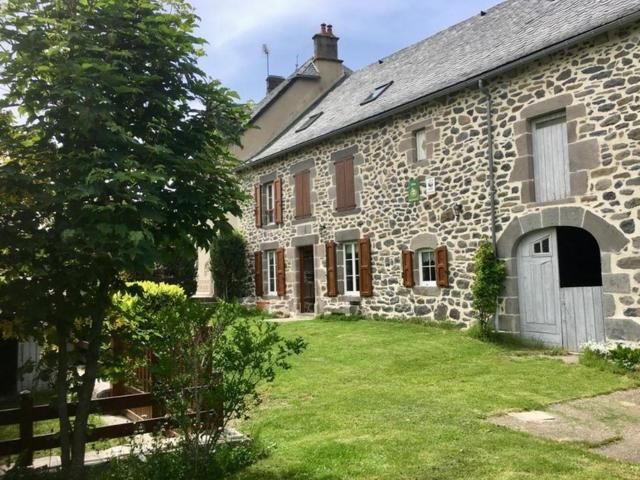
[372, 188]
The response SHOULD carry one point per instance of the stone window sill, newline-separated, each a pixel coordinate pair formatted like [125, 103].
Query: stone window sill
[343, 213]
[273, 226]
[270, 297]
[301, 220]
[349, 298]
[431, 291]
[561, 201]
[421, 163]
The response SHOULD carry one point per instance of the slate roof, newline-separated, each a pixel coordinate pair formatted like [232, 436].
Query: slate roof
[507, 32]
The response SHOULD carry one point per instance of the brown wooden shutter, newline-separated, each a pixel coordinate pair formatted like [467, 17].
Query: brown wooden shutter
[277, 195]
[281, 286]
[345, 188]
[442, 267]
[366, 283]
[332, 269]
[257, 194]
[407, 268]
[258, 274]
[303, 194]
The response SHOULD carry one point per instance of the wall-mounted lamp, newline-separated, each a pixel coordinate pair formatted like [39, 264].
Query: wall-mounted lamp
[457, 210]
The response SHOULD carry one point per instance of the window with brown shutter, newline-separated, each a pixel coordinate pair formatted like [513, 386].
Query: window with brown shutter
[407, 268]
[366, 283]
[345, 188]
[332, 277]
[277, 193]
[257, 193]
[303, 194]
[442, 267]
[258, 273]
[281, 286]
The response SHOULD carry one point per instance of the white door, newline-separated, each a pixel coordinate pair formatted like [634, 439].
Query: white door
[539, 287]
[551, 158]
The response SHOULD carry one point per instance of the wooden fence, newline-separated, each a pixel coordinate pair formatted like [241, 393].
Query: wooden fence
[27, 413]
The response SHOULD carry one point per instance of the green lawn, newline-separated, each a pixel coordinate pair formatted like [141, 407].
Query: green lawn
[389, 400]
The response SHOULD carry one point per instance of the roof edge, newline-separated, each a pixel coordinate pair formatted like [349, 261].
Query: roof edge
[494, 72]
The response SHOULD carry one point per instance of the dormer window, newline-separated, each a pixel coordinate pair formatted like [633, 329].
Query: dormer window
[309, 121]
[376, 93]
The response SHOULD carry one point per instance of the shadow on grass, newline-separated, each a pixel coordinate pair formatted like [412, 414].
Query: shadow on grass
[424, 321]
[514, 343]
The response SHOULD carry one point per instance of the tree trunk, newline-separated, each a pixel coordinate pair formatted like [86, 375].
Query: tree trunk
[79, 438]
[61, 398]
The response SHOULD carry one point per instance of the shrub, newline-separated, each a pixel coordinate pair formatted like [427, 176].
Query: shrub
[160, 464]
[229, 265]
[204, 357]
[625, 357]
[490, 273]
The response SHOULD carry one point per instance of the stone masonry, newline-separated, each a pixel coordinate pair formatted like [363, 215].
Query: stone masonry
[597, 84]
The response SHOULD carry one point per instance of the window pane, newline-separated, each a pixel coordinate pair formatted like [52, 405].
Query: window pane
[421, 151]
[351, 268]
[271, 271]
[427, 266]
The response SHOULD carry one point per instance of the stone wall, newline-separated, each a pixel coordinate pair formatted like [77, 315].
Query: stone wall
[597, 83]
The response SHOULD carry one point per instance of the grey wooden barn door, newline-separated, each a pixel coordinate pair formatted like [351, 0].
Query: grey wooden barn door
[550, 158]
[582, 319]
[538, 286]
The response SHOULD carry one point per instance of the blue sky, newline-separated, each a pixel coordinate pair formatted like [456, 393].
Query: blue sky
[368, 30]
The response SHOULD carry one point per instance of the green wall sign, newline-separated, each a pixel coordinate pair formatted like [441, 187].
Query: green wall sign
[413, 190]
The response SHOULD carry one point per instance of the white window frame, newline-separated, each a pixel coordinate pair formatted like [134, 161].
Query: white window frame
[268, 204]
[351, 268]
[270, 256]
[542, 252]
[425, 282]
[420, 138]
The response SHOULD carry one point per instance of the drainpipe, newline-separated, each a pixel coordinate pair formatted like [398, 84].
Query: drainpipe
[492, 184]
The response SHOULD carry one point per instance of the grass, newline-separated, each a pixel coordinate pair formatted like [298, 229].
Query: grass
[385, 400]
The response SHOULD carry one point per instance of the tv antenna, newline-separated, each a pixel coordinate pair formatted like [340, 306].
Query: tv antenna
[265, 50]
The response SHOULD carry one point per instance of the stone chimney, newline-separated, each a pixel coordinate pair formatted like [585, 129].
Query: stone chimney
[273, 81]
[325, 43]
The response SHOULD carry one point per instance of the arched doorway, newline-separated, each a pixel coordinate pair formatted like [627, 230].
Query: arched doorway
[560, 287]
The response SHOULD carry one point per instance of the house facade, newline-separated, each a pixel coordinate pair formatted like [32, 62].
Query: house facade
[519, 125]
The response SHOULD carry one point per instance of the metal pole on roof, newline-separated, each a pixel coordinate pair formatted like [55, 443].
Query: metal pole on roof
[265, 50]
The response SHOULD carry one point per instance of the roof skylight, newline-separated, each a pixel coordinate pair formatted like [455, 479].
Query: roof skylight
[309, 121]
[376, 93]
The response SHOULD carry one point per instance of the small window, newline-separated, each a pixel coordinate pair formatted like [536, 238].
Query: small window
[351, 269]
[420, 137]
[271, 272]
[541, 246]
[376, 93]
[268, 204]
[427, 266]
[309, 121]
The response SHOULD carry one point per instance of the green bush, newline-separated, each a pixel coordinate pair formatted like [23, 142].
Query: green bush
[177, 465]
[204, 356]
[625, 357]
[229, 265]
[490, 273]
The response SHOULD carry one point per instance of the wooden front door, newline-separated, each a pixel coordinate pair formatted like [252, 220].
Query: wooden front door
[307, 291]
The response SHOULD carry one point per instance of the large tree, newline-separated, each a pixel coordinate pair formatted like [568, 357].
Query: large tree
[118, 153]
